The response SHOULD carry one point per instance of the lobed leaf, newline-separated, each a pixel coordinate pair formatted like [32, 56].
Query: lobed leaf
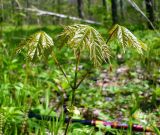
[126, 38]
[83, 37]
[38, 46]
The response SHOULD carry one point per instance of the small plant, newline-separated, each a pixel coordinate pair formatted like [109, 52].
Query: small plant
[83, 40]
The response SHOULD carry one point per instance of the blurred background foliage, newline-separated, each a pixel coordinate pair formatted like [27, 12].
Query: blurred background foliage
[103, 11]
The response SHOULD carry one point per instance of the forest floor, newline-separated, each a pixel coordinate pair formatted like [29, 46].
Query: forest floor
[123, 91]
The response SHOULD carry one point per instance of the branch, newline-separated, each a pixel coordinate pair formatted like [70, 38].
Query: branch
[135, 6]
[42, 12]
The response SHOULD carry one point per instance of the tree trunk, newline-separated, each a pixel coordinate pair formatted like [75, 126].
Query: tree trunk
[28, 20]
[150, 12]
[89, 5]
[89, 9]
[114, 11]
[104, 4]
[58, 6]
[121, 9]
[27, 3]
[1, 19]
[79, 8]
[13, 6]
[58, 10]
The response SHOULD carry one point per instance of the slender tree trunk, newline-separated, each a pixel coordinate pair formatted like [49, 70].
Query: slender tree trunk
[79, 8]
[13, 5]
[27, 14]
[121, 9]
[114, 11]
[27, 3]
[104, 4]
[150, 12]
[89, 9]
[40, 18]
[59, 6]
[89, 5]
[58, 9]
[1, 18]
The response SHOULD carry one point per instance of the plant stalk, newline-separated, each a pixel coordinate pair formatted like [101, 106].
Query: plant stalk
[79, 83]
[73, 90]
[61, 69]
[110, 36]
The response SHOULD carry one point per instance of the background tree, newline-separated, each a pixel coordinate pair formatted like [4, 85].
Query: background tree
[104, 4]
[150, 12]
[79, 8]
[27, 14]
[114, 11]
[89, 3]
[121, 9]
[13, 6]
[1, 18]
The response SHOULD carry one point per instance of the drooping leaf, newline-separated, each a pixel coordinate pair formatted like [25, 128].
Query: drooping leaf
[126, 38]
[38, 46]
[83, 37]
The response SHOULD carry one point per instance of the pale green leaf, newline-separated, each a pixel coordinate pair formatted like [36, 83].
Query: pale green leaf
[83, 37]
[126, 38]
[38, 46]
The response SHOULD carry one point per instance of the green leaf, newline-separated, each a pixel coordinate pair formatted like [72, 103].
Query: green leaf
[126, 38]
[38, 46]
[83, 37]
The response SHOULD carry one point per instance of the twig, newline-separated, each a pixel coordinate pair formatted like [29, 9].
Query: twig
[42, 12]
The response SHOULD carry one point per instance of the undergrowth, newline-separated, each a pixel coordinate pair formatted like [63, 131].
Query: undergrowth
[129, 95]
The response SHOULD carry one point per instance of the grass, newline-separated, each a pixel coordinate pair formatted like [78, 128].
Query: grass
[42, 88]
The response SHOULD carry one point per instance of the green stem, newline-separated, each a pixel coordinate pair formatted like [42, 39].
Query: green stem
[72, 102]
[110, 36]
[76, 70]
[26, 72]
[79, 83]
[73, 89]
[61, 69]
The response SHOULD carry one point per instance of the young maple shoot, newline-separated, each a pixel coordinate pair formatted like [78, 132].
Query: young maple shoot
[80, 38]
